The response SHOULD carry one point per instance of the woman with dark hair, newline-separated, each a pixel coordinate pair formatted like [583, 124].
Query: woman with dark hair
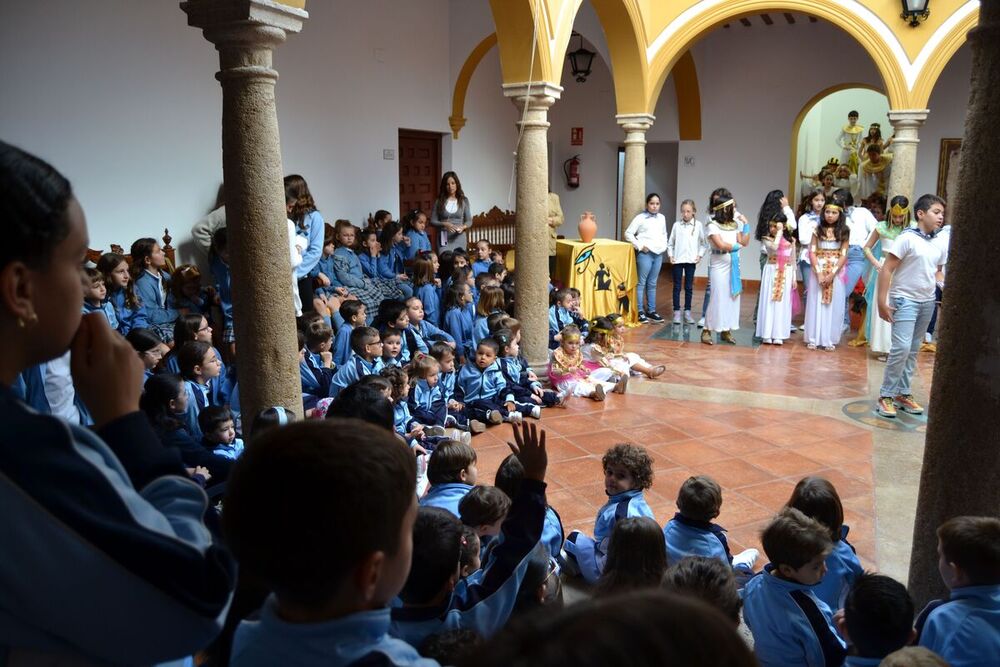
[131, 576]
[774, 203]
[309, 225]
[726, 235]
[451, 214]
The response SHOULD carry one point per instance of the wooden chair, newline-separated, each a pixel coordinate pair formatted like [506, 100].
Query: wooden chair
[168, 250]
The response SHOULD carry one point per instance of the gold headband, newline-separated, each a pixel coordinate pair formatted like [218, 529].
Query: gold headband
[899, 210]
[722, 205]
[601, 330]
[826, 206]
[570, 337]
[618, 319]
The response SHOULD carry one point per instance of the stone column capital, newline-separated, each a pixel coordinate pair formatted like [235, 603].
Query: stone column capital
[907, 118]
[244, 21]
[635, 122]
[539, 95]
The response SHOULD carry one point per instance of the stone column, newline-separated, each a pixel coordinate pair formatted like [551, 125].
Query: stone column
[962, 453]
[245, 32]
[531, 243]
[634, 177]
[902, 177]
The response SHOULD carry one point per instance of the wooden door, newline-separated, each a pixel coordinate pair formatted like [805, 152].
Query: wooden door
[419, 170]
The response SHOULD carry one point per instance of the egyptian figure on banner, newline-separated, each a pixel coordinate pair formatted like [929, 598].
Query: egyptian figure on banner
[624, 305]
[602, 279]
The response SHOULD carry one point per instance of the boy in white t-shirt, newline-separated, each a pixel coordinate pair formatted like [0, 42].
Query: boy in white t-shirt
[913, 269]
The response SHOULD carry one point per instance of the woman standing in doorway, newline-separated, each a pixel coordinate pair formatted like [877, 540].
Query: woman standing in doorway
[451, 214]
[648, 233]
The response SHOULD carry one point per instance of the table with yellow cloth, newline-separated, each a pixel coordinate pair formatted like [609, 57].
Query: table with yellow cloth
[604, 272]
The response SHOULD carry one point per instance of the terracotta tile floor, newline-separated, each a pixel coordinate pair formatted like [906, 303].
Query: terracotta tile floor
[757, 455]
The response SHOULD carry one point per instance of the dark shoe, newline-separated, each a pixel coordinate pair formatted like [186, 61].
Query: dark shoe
[706, 337]
[642, 317]
[654, 317]
[727, 337]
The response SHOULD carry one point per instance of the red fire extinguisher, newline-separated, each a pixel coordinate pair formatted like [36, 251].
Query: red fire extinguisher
[571, 168]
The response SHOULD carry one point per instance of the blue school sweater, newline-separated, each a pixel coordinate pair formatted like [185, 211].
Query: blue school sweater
[515, 369]
[315, 378]
[352, 371]
[842, 570]
[137, 554]
[159, 311]
[419, 242]
[482, 384]
[965, 629]
[342, 344]
[446, 496]
[424, 397]
[413, 342]
[391, 262]
[370, 265]
[361, 638]
[446, 381]
[559, 318]
[401, 417]
[224, 288]
[790, 625]
[232, 451]
[347, 268]
[431, 333]
[224, 383]
[428, 295]
[690, 537]
[458, 323]
[313, 229]
[485, 606]
[480, 266]
[105, 309]
[128, 318]
[325, 266]
[199, 397]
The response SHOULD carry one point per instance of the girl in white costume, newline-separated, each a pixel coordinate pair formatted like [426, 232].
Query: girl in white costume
[777, 283]
[879, 241]
[726, 236]
[825, 298]
[606, 346]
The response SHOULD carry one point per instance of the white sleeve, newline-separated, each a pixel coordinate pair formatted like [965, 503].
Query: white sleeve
[790, 216]
[633, 227]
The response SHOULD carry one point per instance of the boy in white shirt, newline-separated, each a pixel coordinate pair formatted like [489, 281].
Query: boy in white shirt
[913, 269]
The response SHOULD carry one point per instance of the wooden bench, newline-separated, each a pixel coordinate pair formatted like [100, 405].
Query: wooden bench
[168, 250]
[496, 226]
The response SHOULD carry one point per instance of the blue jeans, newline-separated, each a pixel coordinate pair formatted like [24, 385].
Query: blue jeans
[856, 266]
[910, 320]
[685, 271]
[648, 264]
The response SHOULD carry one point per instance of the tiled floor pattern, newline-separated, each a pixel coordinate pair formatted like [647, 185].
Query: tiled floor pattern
[756, 454]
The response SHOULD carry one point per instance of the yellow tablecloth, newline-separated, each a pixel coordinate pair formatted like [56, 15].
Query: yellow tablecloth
[604, 272]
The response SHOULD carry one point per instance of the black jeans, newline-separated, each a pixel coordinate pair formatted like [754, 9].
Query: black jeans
[687, 270]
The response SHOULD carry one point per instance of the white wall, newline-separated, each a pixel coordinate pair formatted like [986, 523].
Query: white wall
[822, 125]
[948, 105]
[121, 96]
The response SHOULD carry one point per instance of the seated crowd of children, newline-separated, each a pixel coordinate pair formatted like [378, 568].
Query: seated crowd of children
[364, 537]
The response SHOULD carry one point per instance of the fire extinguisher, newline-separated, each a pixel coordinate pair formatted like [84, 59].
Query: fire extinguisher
[571, 168]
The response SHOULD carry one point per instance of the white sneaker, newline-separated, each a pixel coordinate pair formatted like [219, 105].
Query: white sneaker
[677, 317]
[687, 317]
[778, 341]
[746, 558]
[766, 341]
[701, 323]
[514, 418]
[536, 412]
[928, 338]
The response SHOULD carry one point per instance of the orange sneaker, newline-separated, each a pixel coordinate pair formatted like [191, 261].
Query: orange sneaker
[906, 403]
[885, 408]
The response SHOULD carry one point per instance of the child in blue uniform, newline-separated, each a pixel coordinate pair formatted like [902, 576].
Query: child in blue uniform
[428, 331]
[691, 531]
[817, 498]
[152, 286]
[628, 471]
[201, 367]
[458, 320]
[521, 380]
[94, 294]
[483, 509]
[426, 287]
[316, 366]
[325, 466]
[790, 625]
[129, 311]
[354, 314]
[149, 347]
[415, 228]
[877, 619]
[392, 257]
[965, 628]
[366, 359]
[392, 348]
[483, 389]
[452, 473]
[559, 315]
[508, 479]
[395, 315]
[445, 356]
[431, 603]
[368, 253]
[426, 397]
[482, 261]
[189, 294]
[491, 300]
[218, 430]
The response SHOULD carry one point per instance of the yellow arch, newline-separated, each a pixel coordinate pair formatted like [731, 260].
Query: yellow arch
[515, 21]
[457, 119]
[939, 59]
[688, 98]
[867, 36]
[622, 23]
[797, 125]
